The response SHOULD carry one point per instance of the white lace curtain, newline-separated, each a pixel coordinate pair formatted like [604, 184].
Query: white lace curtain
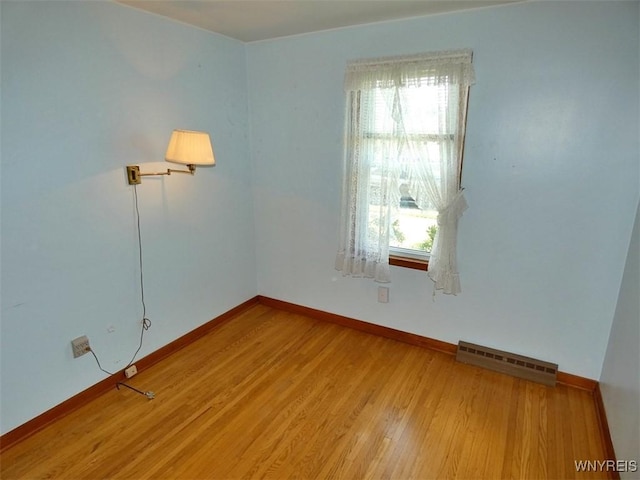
[404, 114]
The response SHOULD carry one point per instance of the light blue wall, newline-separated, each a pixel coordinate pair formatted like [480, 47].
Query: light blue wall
[87, 88]
[620, 380]
[551, 175]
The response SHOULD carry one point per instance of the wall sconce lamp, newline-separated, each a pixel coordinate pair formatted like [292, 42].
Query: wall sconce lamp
[185, 147]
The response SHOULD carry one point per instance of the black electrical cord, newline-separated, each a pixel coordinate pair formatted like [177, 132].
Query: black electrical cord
[149, 395]
[146, 323]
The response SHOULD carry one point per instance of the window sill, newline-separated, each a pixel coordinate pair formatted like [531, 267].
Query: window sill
[406, 262]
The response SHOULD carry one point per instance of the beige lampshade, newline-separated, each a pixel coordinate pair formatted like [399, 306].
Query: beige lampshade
[190, 148]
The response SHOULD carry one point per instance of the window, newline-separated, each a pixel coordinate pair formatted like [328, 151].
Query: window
[404, 136]
[414, 221]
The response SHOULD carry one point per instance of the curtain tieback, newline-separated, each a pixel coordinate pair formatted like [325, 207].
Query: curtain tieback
[453, 210]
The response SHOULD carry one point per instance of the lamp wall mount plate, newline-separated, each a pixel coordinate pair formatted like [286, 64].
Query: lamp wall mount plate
[133, 175]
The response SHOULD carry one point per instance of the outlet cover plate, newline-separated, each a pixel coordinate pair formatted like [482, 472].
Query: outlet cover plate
[383, 294]
[80, 346]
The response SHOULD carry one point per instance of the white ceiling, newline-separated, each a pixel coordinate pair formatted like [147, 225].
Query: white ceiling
[253, 20]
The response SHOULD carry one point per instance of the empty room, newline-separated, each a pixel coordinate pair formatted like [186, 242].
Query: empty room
[320, 239]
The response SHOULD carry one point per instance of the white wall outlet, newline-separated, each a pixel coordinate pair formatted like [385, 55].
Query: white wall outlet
[80, 346]
[383, 294]
[130, 371]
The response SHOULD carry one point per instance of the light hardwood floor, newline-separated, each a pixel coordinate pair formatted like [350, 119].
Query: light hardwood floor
[271, 394]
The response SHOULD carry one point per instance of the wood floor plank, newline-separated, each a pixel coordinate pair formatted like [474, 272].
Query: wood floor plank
[272, 394]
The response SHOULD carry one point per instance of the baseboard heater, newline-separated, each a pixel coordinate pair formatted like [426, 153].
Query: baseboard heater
[509, 363]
